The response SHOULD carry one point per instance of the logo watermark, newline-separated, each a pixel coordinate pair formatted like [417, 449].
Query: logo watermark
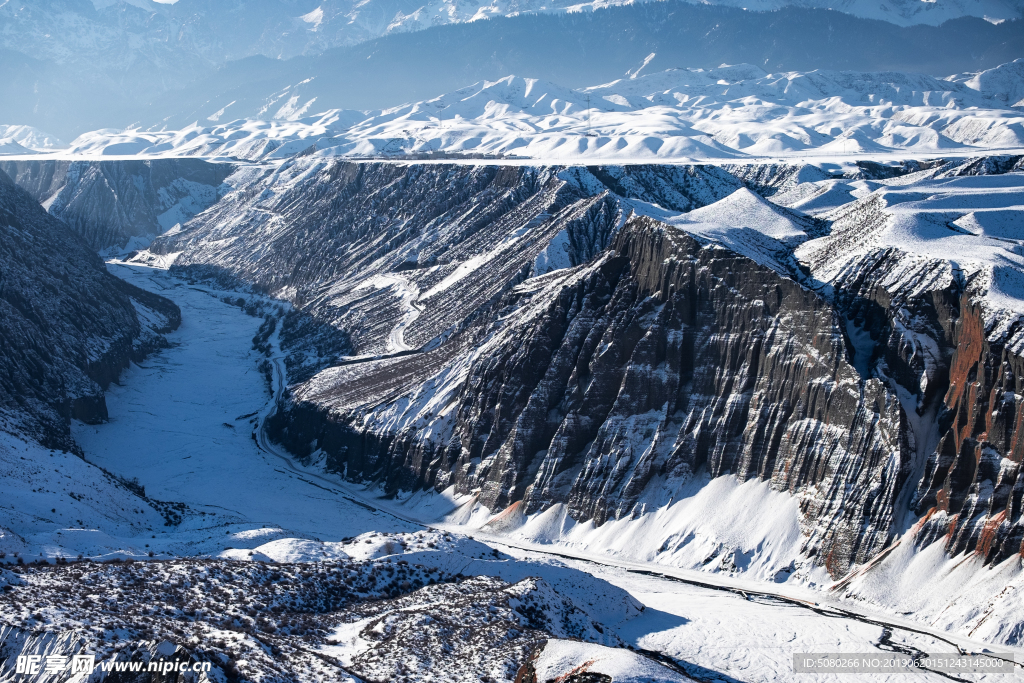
[34, 665]
[897, 662]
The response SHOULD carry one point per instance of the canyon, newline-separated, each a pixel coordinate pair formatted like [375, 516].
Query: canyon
[774, 372]
[579, 336]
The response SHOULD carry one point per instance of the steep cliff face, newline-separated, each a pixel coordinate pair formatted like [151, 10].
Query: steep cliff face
[521, 334]
[928, 325]
[109, 202]
[625, 378]
[67, 327]
[971, 492]
[364, 246]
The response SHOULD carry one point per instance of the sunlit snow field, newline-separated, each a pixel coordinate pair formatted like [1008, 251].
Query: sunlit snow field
[737, 112]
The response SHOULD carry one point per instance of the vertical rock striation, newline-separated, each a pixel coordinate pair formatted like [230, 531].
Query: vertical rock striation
[663, 358]
[972, 490]
[520, 334]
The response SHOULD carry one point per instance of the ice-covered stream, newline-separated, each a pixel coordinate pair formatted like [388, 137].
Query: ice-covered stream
[182, 423]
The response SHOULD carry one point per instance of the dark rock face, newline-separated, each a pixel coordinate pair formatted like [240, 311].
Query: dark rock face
[109, 202]
[517, 335]
[67, 327]
[661, 359]
[971, 492]
[318, 232]
[925, 333]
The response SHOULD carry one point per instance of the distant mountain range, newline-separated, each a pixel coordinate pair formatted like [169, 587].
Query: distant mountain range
[138, 30]
[70, 68]
[730, 112]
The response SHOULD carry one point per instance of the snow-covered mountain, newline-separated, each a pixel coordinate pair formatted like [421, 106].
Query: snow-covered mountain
[655, 365]
[109, 204]
[647, 399]
[30, 138]
[730, 112]
[776, 377]
[69, 328]
[174, 65]
[66, 30]
[636, 357]
[737, 372]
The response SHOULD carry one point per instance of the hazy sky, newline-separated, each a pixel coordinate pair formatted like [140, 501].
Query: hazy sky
[100, 4]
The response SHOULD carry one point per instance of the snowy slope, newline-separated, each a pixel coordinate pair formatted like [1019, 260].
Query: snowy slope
[732, 112]
[155, 64]
[964, 227]
[559, 659]
[717, 526]
[108, 203]
[182, 420]
[31, 138]
[57, 504]
[1005, 82]
[11, 147]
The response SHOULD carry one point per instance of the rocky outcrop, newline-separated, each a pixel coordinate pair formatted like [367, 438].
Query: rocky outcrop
[662, 359]
[926, 328]
[109, 202]
[770, 179]
[971, 492]
[67, 327]
[512, 339]
[361, 246]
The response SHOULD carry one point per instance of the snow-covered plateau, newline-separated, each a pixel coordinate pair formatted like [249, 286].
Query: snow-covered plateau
[732, 112]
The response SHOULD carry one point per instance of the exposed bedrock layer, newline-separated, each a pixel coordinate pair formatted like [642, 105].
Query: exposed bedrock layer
[517, 335]
[662, 358]
[972, 491]
[358, 244]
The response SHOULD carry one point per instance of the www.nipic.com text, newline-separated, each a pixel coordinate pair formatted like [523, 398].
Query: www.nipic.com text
[54, 664]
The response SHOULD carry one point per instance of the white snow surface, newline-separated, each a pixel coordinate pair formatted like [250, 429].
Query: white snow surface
[745, 636]
[731, 112]
[742, 222]
[54, 503]
[11, 147]
[943, 590]
[31, 138]
[196, 404]
[720, 526]
[560, 658]
[965, 227]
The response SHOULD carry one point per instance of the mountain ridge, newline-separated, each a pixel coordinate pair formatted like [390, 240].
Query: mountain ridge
[162, 90]
[69, 328]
